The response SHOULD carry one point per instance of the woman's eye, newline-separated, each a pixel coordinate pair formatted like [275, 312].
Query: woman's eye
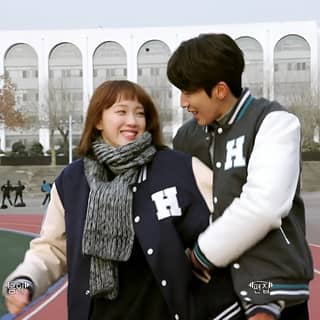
[141, 114]
[120, 111]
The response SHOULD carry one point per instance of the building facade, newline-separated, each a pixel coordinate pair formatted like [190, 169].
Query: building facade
[56, 71]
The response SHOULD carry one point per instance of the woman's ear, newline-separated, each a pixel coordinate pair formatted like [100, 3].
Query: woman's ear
[99, 125]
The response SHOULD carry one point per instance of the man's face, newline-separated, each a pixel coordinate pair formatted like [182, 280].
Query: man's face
[205, 109]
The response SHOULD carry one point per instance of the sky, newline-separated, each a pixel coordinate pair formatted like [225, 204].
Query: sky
[78, 14]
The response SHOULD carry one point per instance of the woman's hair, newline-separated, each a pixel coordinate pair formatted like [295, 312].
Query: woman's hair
[104, 97]
[202, 62]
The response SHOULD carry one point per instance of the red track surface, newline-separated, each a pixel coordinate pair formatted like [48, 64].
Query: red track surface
[53, 306]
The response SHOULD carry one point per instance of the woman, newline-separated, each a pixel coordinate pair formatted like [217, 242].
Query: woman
[122, 218]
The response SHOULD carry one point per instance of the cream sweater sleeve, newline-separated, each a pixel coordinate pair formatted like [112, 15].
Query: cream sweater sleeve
[45, 260]
[204, 179]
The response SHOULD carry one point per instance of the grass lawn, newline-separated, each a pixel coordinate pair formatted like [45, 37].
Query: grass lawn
[12, 249]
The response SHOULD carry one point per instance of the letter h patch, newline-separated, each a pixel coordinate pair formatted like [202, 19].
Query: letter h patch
[166, 203]
[234, 156]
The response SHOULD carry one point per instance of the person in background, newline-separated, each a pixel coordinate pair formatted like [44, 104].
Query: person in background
[253, 147]
[46, 188]
[122, 220]
[19, 194]
[6, 194]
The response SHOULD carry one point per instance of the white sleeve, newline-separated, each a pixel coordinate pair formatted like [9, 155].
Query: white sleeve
[45, 260]
[266, 197]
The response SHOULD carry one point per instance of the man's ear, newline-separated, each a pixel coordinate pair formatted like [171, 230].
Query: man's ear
[221, 90]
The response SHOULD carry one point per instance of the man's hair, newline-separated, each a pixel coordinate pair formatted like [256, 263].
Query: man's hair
[203, 61]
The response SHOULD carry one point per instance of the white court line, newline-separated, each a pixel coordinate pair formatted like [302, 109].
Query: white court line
[316, 271]
[41, 306]
[27, 233]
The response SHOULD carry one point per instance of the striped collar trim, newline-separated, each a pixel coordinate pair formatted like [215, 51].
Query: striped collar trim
[142, 176]
[242, 104]
[238, 110]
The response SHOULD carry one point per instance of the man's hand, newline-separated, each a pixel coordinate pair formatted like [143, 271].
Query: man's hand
[262, 316]
[16, 301]
[198, 270]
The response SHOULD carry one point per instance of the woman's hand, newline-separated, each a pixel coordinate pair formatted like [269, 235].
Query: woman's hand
[16, 301]
[198, 270]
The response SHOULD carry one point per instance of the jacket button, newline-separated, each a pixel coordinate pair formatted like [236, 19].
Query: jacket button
[134, 189]
[215, 199]
[163, 283]
[243, 293]
[87, 292]
[136, 219]
[176, 316]
[220, 130]
[247, 299]
[236, 265]
[218, 164]
[150, 251]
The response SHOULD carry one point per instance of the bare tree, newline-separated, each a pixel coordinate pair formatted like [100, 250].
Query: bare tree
[306, 107]
[12, 118]
[60, 105]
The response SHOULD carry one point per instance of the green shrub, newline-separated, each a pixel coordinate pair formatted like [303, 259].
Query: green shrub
[18, 149]
[36, 149]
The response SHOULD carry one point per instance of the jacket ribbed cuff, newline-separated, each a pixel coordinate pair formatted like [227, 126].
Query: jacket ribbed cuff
[20, 283]
[272, 308]
[202, 258]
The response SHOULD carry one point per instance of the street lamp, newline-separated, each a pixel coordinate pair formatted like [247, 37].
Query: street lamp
[70, 137]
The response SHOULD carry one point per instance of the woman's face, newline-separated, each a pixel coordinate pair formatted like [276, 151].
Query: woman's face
[122, 123]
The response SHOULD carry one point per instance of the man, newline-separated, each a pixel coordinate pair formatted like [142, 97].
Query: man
[253, 147]
[6, 192]
[19, 194]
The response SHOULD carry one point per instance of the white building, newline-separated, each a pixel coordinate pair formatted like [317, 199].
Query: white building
[58, 70]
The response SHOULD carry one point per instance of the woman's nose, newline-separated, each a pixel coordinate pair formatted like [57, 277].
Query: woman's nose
[131, 119]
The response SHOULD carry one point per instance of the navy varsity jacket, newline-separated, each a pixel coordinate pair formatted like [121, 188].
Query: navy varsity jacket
[168, 215]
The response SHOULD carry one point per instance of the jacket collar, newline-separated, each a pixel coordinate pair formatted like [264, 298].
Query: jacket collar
[142, 176]
[241, 106]
[235, 114]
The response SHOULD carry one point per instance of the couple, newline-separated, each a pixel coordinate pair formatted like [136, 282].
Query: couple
[129, 221]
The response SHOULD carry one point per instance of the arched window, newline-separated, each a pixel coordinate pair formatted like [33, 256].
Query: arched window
[109, 63]
[21, 67]
[65, 81]
[292, 77]
[152, 75]
[65, 92]
[253, 71]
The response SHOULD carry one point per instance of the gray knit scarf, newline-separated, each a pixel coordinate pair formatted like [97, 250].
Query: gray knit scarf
[108, 232]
